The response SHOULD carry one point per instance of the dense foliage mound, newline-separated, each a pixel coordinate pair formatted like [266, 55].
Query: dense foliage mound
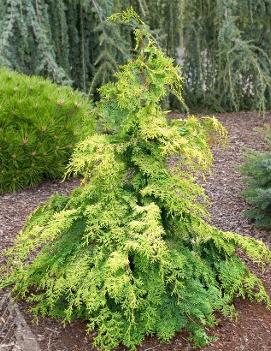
[130, 251]
[39, 125]
[258, 192]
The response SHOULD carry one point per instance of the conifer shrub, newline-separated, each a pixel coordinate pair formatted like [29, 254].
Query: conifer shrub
[257, 170]
[39, 125]
[130, 250]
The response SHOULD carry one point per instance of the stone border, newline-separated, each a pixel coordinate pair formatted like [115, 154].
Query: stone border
[15, 333]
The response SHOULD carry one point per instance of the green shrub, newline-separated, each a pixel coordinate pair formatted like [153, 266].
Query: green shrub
[257, 170]
[39, 125]
[130, 250]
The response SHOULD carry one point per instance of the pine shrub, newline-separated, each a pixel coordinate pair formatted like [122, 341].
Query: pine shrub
[257, 170]
[130, 250]
[39, 125]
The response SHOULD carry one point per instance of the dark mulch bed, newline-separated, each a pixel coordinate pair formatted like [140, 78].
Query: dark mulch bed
[252, 330]
[15, 207]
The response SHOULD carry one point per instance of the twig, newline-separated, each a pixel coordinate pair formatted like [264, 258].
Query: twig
[152, 348]
[49, 343]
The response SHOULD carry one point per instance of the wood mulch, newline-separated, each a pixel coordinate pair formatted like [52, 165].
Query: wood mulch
[252, 329]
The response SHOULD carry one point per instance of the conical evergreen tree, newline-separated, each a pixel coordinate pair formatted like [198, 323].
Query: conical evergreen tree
[130, 251]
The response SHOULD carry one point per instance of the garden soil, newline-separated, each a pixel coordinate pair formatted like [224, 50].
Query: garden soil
[250, 331]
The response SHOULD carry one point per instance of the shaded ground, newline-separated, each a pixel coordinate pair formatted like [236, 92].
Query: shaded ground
[252, 330]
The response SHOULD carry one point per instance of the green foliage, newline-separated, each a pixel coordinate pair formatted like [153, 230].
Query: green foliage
[25, 44]
[130, 250]
[68, 41]
[218, 35]
[71, 42]
[258, 192]
[39, 125]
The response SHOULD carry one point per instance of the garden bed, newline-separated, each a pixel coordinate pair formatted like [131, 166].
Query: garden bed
[251, 331]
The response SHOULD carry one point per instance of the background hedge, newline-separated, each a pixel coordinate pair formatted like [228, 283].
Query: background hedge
[223, 46]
